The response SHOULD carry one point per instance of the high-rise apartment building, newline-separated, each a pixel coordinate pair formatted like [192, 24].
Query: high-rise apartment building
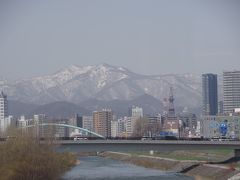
[122, 123]
[23, 122]
[136, 111]
[114, 129]
[102, 122]
[39, 119]
[209, 94]
[88, 122]
[3, 111]
[231, 91]
[135, 114]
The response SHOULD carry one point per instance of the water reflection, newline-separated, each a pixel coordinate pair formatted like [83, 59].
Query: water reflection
[97, 168]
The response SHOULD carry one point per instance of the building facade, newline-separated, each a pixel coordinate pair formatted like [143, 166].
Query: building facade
[114, 129]
[135, 115]
[154, 125]
[209, 94]
[3, 112]
[188, 126]
[122, 127]
[88, 122]
[136, 111]
[102, 122]
[171, 124]
[39, 119]
[23, 122]
[231, 91]
[170, 120]
[220, 126]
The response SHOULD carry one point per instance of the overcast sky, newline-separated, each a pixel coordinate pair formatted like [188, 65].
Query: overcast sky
[146, 36]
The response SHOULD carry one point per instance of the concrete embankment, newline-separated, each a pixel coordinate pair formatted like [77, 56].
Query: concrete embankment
[197, 169]
[212, 172]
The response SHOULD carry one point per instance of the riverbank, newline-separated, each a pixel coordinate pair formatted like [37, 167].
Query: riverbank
[198, 169]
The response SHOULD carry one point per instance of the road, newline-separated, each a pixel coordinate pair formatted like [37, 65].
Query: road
[146, 145]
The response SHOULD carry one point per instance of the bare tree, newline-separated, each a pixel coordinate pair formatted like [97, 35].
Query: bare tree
[144, 127]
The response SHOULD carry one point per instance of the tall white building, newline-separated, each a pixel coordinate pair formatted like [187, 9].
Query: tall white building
[122, 126]
[130, 124]
[136, 112]
[3, 112]
[231, 91]
[39, 119]
[114, 129]
[22, 122]
[88, 122]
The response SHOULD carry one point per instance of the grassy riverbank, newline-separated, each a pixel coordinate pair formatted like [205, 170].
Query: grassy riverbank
[213, 155]
[150, 162]
[182, 161]
[208, 156]
[24, 158]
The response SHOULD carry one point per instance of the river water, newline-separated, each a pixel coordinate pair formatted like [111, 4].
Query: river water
[98, 168]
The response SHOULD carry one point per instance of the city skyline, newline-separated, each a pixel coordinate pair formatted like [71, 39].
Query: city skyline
[156, 37]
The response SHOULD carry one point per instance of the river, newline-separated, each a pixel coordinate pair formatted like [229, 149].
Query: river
[98, 168]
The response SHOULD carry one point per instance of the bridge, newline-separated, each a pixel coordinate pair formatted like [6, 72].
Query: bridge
[136, 145]
[86, 131]
[146, 145]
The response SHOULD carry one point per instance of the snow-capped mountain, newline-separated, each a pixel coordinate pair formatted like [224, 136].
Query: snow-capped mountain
[104, 82]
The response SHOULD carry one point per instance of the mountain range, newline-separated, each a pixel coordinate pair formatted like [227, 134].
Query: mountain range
[93, 87]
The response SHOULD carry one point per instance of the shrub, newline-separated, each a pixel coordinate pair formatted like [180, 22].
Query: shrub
[25, 158]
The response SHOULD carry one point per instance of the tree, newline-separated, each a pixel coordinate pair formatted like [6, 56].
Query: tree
[144, 127]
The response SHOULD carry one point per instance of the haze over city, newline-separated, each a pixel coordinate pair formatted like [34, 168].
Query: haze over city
[123, 89]
[148, 37]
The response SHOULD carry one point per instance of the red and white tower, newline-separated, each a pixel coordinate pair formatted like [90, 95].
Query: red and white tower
[171, 109]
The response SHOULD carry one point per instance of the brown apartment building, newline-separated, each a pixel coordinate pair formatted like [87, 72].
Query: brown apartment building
[102, 122]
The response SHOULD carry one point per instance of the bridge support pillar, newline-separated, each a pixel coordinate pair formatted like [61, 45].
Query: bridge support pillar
[237, 153]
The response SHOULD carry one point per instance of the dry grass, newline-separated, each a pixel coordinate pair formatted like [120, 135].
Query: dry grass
[24, 158]
[198, 155]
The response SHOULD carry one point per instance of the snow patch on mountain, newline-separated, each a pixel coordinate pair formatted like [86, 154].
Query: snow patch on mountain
[105, 82]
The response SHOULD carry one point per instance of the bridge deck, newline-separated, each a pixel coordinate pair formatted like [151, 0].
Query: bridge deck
[136, 145]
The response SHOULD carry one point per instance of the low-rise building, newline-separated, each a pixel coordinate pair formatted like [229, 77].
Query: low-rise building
[188, 125]
[220, 126]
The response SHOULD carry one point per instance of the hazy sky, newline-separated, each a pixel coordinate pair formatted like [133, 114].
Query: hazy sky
[146, 36]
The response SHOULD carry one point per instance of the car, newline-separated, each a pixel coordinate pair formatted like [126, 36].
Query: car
[79, 138]
[216, 139]
[146, 138]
